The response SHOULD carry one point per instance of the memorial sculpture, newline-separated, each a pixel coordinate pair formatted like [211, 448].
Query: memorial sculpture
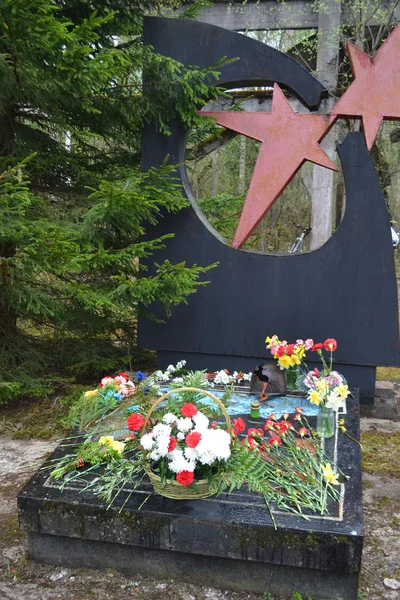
[359, 253]
[234, 540]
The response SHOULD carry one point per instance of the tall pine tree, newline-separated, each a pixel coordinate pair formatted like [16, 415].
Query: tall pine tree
[73, 203]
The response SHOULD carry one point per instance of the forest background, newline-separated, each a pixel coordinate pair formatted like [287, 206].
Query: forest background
[73, 203]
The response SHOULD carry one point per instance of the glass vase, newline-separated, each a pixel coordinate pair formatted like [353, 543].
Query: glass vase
[291, 376]
[326, 422]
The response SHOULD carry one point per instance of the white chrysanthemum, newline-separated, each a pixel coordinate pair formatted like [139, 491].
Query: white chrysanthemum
[162, 444]
[201, 421]
[184, 424]
[190, 453]
[180, 364]
[221, 378]
[180, 436]
[155, 455]
[147, 441]
[179, 463]
[169, 418]
[214, 445]
[221, 442]
[161, 429]
[207, 458]
[170, 369]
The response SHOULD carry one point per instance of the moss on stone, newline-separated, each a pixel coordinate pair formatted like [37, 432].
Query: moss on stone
[381, 452]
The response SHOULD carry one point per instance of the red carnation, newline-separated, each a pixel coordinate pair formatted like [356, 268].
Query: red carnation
[275, 441]
[281, 351]
[239, 425]
[213, 425]
[253, 431]
[193, 439]
[135, 421]
[123, 374]
[290, 349]
[185, 477]
[284, 426]
[172, 443]
[330, 345]
[303, 431]
[189, 410]
[299, 409]
[316, 347]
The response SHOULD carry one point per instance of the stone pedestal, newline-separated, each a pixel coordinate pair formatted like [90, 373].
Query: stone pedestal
[227, 541]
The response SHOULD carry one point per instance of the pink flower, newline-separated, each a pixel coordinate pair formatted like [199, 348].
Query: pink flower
[297, 417]
[120, 379]
[330, 345]
[299, 409]
[285, 416]
[308, 344]
[106, 380]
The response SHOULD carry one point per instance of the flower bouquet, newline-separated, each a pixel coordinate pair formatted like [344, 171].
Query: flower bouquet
[189, 449]
[184, 448]
[323, 387]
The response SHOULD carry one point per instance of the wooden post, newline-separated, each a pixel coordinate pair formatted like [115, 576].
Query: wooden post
[327, 74]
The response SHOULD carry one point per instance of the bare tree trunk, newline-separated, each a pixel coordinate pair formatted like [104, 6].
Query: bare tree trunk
[327, 73]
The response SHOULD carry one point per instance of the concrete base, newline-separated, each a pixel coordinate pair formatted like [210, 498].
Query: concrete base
[227, 541]
[225, 573]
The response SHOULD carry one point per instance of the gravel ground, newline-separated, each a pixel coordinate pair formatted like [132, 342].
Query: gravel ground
[22, 579]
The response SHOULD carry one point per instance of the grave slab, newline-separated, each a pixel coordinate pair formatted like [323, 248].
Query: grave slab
[227, 541]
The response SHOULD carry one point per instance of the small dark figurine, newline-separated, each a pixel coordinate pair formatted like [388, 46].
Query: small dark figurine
[261, 374]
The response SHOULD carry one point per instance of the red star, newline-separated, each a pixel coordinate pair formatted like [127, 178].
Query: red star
[288, 140]
[374, 93]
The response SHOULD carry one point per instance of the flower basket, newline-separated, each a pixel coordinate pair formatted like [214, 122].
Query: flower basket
[200, 488]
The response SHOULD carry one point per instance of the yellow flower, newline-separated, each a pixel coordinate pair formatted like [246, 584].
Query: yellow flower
[90, 393]
[322, 386]
[117, 446]
[315, 397]
[343, 391]
[285, 362]
[267, 339]
[329, 475]
[296, 359]
[106, 440]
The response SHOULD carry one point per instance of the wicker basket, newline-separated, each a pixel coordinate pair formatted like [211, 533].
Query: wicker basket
[173, 489]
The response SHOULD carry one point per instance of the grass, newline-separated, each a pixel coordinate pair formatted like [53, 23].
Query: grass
[37, 419]
[381, 452]
[388, 374]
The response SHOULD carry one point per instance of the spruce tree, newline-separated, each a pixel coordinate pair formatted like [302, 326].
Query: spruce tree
[73, 202]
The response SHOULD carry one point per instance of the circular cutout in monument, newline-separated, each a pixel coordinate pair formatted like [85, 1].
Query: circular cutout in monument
[220, 166]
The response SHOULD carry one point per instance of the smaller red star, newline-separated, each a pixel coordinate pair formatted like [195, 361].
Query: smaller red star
[287, 139]
[374, 93]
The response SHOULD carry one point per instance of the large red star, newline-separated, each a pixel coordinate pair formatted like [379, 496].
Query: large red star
[288, 140]
[374, 93]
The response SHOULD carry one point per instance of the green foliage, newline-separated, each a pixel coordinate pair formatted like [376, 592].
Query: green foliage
[74, 206]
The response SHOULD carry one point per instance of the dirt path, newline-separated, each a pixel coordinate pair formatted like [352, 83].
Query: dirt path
[21, 579]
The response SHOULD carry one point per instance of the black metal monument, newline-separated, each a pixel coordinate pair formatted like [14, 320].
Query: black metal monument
[346, 289]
